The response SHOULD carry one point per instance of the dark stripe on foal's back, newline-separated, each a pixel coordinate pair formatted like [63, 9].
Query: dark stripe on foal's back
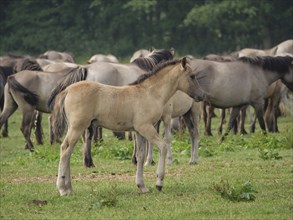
[279, 64]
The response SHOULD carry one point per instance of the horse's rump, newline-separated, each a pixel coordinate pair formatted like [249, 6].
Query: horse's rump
[29, 96]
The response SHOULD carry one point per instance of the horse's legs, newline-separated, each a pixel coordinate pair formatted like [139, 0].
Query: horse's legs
[64, 180]
[222, 120]
[234, 113]
[242, 119]
[140, 148]
[259, 111]
[133, 158]
[168, 137]
[98, 136]
[38, 127]
[5, 129]
[150, 133]
[9, 108]
[208, 130]
[87, 139]
[191, 119]
[149, 146]
[26, 127]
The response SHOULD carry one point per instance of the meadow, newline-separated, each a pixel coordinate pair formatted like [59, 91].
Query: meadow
[245, 177]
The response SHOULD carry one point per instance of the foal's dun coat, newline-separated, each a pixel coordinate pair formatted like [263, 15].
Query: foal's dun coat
[134, 107]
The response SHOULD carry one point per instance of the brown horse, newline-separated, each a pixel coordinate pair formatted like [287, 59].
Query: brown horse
[134, 107]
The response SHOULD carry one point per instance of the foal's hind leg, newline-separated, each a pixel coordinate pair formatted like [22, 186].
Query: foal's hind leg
[64, 180]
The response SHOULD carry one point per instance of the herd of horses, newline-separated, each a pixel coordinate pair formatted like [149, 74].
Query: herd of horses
[154, 87]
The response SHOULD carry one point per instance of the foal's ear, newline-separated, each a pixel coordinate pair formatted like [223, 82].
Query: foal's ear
[184, 63]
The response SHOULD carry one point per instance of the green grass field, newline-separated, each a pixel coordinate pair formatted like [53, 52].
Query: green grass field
[246, 177]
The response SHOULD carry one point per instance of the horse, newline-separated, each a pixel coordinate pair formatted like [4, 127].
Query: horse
[57, 56]
[103, 58]
[5, 71]
[239, 83]
[139, 53]
[281, 48]
[31, 90]
[208, 111]
[53, 65]
[180, 104]
[135, 107]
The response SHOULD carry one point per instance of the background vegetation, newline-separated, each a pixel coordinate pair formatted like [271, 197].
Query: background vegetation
[196, 27]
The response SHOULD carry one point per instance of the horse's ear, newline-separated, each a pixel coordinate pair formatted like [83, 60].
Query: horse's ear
[172, 50]
[151, 49]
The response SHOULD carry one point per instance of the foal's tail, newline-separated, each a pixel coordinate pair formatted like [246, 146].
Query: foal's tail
[58, 116]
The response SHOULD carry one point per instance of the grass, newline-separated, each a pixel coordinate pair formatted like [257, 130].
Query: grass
[246, 177]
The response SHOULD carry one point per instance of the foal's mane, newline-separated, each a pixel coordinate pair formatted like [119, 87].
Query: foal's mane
[279, 64]
[155, 70]
[148, 63]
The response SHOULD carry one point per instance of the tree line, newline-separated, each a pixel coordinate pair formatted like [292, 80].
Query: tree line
[120, 27]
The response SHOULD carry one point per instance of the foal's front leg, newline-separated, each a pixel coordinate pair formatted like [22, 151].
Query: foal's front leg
[150, 133]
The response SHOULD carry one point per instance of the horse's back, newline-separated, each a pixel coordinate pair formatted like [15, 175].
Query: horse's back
[285, 47]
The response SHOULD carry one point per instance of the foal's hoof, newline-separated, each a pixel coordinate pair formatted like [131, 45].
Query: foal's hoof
[66, 192]
[159, 188]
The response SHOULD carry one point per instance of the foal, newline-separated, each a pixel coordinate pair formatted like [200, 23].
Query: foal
[134, 107]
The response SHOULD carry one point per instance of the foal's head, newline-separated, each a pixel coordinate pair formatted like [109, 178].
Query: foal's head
[186, 80]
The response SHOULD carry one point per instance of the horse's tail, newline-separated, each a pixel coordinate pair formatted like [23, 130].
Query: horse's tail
[73, 76]
[58, 116]
[27, 95]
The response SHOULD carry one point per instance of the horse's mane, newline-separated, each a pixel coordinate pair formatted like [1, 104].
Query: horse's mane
[155, 70]
[6, 71]
[148, 63]
[279, 64]
[74, 75]
[27, 64]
